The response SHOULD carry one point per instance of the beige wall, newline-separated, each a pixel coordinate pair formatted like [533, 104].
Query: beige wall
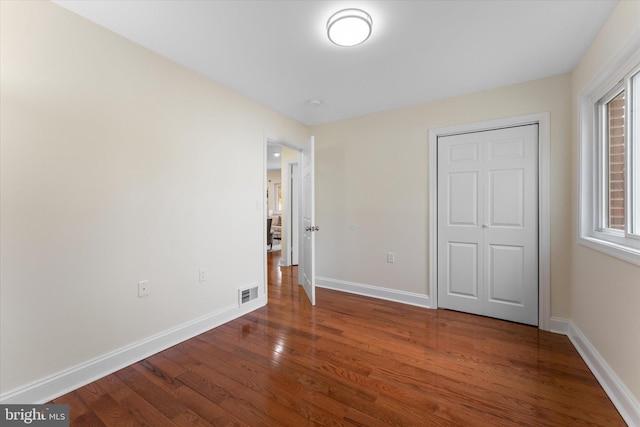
[111, 170]
[373, 172]
[605, 292]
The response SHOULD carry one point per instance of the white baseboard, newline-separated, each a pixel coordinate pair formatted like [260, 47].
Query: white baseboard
[621, 397]
[70, 379]
[559, 325]
[404, 297]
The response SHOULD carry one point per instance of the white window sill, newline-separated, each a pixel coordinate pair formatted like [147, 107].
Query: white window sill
[624, 253]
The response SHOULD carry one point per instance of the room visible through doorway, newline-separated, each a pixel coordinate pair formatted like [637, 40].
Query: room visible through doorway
[282, 201]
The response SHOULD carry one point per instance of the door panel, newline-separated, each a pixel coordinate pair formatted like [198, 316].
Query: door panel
[463, 269]
[506, 149]
[506, 198]
[463, 152]
[307, 269]
[506, 274]
[463, 199]
[460, 268]
[488, 200]
[512, 162]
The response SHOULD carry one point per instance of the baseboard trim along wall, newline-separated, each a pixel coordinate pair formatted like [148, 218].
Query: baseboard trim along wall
[559, 325]
[394, 295]
[68, 380]
[621, 397]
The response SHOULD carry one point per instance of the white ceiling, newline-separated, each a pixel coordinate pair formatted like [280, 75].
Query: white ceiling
[277, 53]
[274, 160]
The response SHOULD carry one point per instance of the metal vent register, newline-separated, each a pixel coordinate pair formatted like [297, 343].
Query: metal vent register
[247, 294]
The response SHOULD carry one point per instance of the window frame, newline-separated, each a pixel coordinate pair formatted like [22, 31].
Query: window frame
[593, 161]
[603, 161]
[633, 132]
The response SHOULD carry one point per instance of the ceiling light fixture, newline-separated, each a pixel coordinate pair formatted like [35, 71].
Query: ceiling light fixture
[349, 27]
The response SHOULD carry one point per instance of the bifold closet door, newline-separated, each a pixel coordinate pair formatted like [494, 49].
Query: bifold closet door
[488, 223]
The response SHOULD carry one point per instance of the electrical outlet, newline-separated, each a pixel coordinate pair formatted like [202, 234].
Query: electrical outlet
[143, 288]
[391, 257]
[202, 274]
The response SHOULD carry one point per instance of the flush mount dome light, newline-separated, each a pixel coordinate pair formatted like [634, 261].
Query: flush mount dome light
[349, 27]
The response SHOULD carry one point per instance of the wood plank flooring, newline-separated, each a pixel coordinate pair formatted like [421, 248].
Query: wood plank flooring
[351, 361]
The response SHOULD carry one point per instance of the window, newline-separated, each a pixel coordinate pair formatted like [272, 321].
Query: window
[614, 161]
[610, 163]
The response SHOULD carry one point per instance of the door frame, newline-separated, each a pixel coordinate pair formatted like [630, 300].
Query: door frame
[291, 256]
[544, 197]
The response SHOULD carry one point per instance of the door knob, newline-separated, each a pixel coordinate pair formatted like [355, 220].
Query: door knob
[485, 225]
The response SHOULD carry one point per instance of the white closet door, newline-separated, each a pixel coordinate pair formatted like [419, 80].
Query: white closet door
[460, 233]
[488, 223]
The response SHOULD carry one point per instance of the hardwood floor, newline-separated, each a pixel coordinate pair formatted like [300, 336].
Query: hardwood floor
[351, 361]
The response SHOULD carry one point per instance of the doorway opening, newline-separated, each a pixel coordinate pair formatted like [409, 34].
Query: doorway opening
[282, 206]
[295, 194]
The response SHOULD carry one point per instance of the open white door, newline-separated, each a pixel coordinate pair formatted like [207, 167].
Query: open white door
[306, 276]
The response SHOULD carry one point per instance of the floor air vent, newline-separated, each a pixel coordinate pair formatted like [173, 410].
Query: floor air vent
[247, 294]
